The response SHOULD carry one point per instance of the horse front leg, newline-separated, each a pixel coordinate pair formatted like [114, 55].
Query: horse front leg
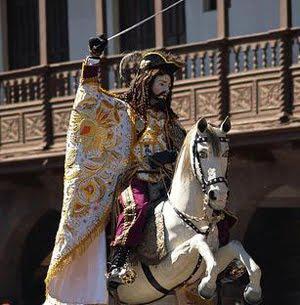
[207, 286]
[235, 250]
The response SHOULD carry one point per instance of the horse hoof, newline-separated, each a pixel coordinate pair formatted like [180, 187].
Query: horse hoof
[206, 293]
[257, 303]
[252, 297]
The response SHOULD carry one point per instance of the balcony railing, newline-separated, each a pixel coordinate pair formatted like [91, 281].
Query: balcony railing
[255, 79]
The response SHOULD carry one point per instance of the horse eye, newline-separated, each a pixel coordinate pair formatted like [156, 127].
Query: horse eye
[203, 154]
[225, 154]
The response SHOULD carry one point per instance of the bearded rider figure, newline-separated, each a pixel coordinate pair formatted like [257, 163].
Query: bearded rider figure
[120, 148]
[158, 140]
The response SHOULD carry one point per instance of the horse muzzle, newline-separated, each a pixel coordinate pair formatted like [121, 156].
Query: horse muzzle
[216, 199]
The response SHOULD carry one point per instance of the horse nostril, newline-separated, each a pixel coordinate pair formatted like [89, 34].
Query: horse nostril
[228, 194]
[212, 195]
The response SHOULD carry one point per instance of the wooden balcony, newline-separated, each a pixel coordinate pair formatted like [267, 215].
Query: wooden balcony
[253, 79]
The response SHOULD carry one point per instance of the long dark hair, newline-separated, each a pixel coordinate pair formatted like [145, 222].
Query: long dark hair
[139, 93]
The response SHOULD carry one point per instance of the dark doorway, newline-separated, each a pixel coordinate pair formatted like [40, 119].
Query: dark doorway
[37, 248]
[273, 241]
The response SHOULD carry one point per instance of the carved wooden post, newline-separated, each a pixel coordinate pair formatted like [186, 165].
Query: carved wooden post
[3, 35]
[222, 59]
[100, 16]
[159, 34]
[285, 61]
[44, 93]
[43, 31]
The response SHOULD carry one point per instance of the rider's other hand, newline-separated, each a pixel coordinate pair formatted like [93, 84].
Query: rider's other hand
[163, 157]
[97, 45]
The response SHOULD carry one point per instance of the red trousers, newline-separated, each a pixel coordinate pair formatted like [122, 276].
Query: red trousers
[131, 234]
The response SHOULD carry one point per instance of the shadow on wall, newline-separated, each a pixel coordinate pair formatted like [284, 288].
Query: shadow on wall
[35, 257]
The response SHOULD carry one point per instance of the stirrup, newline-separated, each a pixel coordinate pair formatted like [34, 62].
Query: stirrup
[115, 275]
[121, 275]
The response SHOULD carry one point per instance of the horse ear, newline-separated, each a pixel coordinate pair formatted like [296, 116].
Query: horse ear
[202, 125]
[226, 125]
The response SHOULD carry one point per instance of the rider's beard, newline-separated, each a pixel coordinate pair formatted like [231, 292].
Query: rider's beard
[158, 103]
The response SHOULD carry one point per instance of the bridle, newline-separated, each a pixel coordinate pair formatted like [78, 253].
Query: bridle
[197, 167]
[198, 173]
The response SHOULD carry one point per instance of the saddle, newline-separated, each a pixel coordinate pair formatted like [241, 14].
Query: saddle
[153, 248]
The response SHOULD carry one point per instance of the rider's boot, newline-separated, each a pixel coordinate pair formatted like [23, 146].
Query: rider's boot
[117, 269]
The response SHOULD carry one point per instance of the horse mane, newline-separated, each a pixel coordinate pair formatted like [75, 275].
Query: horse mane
[186, 169]
[212, 138]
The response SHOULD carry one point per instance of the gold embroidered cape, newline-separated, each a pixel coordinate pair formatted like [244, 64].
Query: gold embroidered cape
[99, 139]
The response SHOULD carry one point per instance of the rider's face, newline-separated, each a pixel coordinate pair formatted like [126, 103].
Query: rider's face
[161, 86]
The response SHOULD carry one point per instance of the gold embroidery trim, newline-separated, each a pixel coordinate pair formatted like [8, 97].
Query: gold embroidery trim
[129, 215]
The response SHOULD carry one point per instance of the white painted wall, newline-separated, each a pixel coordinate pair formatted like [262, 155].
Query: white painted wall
[296, 12]
[253, 16]
[200, 25]
[245, 17]
[82, 26]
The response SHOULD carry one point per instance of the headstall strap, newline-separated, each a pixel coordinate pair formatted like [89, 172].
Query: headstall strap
[216, 180]
[200, 139]
[204, 184]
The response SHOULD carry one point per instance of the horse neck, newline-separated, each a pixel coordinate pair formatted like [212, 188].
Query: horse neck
[186, 192]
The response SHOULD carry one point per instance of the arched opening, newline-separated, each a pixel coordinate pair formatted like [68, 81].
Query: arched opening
[272, 239]
[37, 248]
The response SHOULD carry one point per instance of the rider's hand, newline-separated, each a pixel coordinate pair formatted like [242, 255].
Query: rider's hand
[97, 45]
[162, 158]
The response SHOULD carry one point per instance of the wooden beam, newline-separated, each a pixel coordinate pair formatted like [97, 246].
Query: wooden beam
[100, 16]
[222, 18]
[43, 31]
[222, 68]
[285, 14]
[159, 31]
[3, 27]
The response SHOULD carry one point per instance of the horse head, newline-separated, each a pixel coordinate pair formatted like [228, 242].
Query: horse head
[209, 159]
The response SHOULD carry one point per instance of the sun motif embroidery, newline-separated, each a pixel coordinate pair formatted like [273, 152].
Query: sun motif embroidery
[91, 190]
[79, 209]
[95, 133]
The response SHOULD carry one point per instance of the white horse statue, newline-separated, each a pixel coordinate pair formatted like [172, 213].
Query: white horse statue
[198, 188]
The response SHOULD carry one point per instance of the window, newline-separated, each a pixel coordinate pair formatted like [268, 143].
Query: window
[23, 33]
[174, 24]
[209, 5]
[142, 37]
[57, 31]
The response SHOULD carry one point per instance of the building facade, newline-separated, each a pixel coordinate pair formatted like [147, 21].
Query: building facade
[242, 59]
